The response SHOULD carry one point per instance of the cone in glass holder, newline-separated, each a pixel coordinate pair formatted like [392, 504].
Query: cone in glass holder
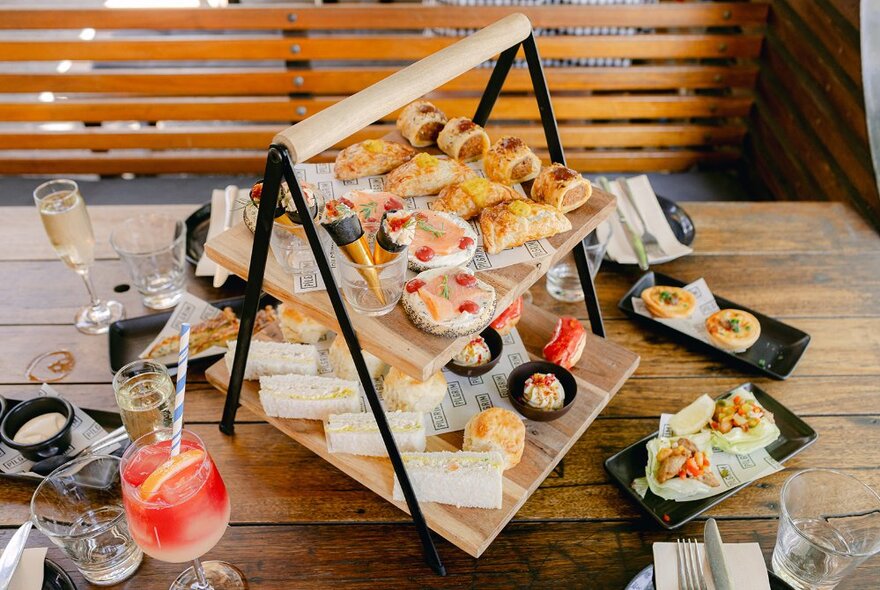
[396, 232]
[344, 226]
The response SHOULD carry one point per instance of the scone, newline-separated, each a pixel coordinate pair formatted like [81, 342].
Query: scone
[298, 328]
[402, 392]
[496, 429]
[343, 364]
[733, 329]
[669, 302]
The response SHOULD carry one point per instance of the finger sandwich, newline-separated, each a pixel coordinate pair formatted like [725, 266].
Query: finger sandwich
[358, 434]
[463, 479]
[275, 358]
[308, 397]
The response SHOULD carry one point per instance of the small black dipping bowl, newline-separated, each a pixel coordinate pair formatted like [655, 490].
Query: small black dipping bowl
[495, 344]
[516, 383]
[3, 406]
[24, 411]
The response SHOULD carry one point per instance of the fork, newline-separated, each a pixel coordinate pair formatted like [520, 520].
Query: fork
[690, 568]
[652, 246]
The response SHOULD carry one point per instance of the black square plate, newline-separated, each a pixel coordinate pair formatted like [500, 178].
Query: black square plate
[776, 353]
[629, 464]
[129, 337]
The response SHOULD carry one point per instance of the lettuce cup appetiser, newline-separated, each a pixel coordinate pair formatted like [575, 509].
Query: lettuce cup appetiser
[740, 425]
[680, 467]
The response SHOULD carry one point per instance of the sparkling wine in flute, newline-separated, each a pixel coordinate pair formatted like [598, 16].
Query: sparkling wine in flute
[69, 229]
[146, 403]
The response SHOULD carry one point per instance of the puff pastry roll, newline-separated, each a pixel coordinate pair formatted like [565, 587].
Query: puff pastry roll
[510, 161]
[512, 224]
[463, 140]
[370, 157]
[420, 122]
[561, 187]
[466, 199]
[426, 175]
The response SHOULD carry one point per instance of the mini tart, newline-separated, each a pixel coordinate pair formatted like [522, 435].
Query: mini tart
[427, 307]
[443, 232]
[733, 329]
[669, 302]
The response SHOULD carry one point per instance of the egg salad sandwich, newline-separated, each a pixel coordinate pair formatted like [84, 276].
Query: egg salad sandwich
[358, 433]
[463, 479]
[275, 358]
[308, 397]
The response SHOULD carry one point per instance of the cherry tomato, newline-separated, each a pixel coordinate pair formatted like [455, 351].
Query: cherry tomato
[425, 253]
[465, 280]
[414, 285]
[256, 192]
[465, 243]
[469, 307]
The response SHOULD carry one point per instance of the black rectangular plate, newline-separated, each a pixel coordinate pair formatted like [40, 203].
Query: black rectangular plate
[108, 421]
[129, 337]
[629, 464]
[776, 353]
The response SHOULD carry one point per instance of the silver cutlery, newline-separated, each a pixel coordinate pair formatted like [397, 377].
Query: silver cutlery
[715, 554]
[648, 239]
[690, 568]
[12, 554]
[632, 235]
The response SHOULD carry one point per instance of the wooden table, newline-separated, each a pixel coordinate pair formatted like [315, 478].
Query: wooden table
[578, 530]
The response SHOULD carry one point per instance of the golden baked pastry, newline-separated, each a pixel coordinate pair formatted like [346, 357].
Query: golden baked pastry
[669, 302]
[463, 140]
[420, 122]
[297, 327]
[496, 429]
[733, 329]
[370, 157]
[426, 175]
[510, 161]
[466, 199]
[512, 224]
[403, 393]
[561, 187]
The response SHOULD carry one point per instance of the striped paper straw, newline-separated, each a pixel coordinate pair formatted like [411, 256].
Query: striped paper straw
[182, 357]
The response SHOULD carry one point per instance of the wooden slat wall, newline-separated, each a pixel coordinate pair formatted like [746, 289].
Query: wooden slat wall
[812, 143]
[683, 102]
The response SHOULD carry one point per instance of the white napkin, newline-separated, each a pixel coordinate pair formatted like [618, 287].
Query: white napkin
[223, 203]
[745, 563]
[619, 248]
[29, 573]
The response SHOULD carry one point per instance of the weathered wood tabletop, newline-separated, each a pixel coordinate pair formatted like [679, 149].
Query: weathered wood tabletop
[299, 523]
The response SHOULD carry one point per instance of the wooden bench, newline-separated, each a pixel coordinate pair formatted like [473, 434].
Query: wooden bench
[204, 90]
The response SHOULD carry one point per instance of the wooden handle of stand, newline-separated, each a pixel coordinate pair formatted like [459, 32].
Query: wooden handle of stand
[324, 129]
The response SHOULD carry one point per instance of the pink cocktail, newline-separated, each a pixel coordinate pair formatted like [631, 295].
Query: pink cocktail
[178, 507]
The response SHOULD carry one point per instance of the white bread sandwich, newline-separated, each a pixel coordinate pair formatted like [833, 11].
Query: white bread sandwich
[275, 358]
[463, 479]
[358, 434]
[308, 397]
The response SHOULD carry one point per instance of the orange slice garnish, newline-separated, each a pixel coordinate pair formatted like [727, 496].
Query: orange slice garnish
[169, 469]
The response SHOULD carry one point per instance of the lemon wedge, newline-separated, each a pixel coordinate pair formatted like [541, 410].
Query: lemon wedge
[170, 468]
[692, 418]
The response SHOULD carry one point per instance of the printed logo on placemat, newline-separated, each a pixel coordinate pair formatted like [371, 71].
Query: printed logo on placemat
[745, 461]
[456, 395]
[516, 359]
[500, 384]
[478, 380]
[484, 401]
[300, 175]
[324, 168]
[438, 417]
[326, 189]
[727, 475]
[324, 362]
[535, 249]
[308, 281]
[377, 183]
[481, 260]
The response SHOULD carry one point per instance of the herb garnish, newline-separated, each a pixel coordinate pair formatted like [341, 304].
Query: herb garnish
[425, 226]
[444, 289]
[368, 208]
[734, 324]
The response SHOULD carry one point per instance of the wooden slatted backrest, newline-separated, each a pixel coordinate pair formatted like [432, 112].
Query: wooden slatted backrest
[204, 90]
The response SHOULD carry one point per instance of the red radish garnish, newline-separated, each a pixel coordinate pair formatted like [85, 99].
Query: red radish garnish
[425, 253]
[347, 203]
[469, 307]
[465, 243]
[465, 280]
[414, 285]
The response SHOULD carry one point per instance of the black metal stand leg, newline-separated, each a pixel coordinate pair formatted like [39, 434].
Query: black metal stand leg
[265, 219]
[493, 88]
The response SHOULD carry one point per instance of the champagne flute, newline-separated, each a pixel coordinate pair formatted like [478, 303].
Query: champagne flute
[66, 220]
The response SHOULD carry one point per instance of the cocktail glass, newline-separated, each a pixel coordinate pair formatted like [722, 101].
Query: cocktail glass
[178, 508]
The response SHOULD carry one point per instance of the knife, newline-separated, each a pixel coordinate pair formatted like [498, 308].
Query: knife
[12, 554]
[230, 194]
[635, 240]
[715, 553]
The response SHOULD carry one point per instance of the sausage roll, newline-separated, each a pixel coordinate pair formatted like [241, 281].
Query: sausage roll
[510, 161]
[426, 175]
[371, 157]
[733, 329]
[466, 199]
[420, 123]
[512, 224]
[463, 140]
[561, 187]
[669, 302]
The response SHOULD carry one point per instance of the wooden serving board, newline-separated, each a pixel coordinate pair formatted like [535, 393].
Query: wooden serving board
[393, 337]
[601, 372]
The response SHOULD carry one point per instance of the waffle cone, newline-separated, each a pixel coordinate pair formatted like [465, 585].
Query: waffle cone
[359, 253]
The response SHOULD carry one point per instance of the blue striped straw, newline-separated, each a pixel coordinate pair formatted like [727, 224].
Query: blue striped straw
[182, 358]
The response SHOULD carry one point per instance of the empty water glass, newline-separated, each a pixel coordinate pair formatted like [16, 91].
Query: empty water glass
[563, 280]
[291, 248]
[829, 523]
[371, 289]
[79, 508]
[152, 247]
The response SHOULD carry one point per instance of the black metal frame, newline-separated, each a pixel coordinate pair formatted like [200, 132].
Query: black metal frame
[278, 167]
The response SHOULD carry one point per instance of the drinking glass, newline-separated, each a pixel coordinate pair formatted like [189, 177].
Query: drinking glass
[79, 508]
[291, 248]
[152, 246]
[360, 283]
[829, 523]
[178, 510]
[563, 280]
[145, 395]
[66, 221]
